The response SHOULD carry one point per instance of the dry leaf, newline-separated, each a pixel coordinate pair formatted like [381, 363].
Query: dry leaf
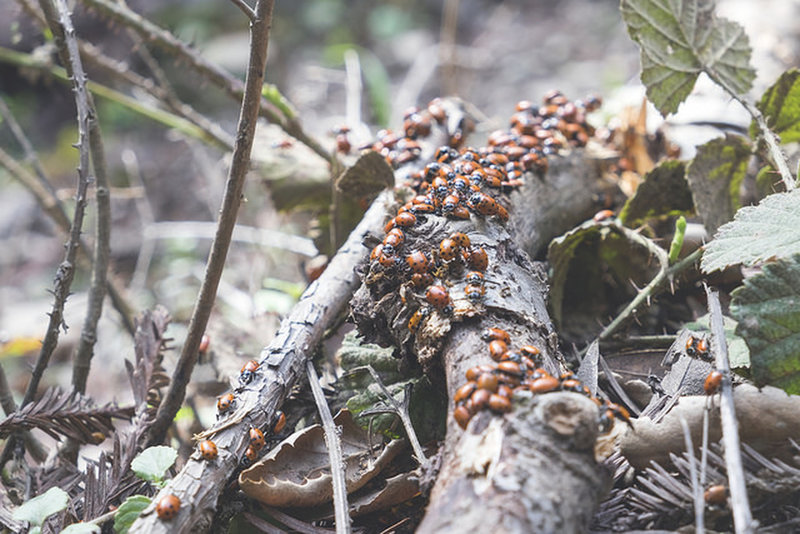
[297, 472]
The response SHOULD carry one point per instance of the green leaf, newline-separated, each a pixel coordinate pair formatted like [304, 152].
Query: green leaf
[757, 233]
[715, 176]
[767, 307]
[152, 463]
[664, 192]
[679, 39]
[36, 510]
[780, 105]
[129, 511]
[82, 528]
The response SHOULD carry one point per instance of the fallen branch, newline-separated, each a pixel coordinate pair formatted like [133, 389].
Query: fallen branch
[282, 363]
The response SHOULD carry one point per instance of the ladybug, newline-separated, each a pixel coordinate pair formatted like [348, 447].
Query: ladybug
[376, 252]
[402, 220]
[499, 403]
[450, 203]
[421, 280]
[342, 143]
[416, 319]
[394, 238]
[167, 507]
[257, 440]
[511, 368]
[488, 381]
[440, 187]
[460, 212]
[250, 456]
[480, 399]
[462, 416]
[478, 259]
[439, 298]
[717, 495]
[448, 249]
[474, 372]
[713, 382]
[437, 111]
[474, 293]
[529, 350]
[205, 341]
[620, 412]
[496, 333]
[460, 239]
[474, 278]
[497, 348]
[208, 450]
[602, 215]
[225, 402]
[248, 372]
[544, 384]
[387, 260]
[697, 347]
[418, 262]
[465, 391]
[280, 422]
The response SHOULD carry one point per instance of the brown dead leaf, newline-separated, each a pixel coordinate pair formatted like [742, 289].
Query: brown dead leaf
[297, 472]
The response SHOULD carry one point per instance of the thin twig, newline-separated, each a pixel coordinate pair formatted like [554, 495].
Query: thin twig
[697, 489]
[30, 153]
[66, 271]
[146, 250]
[742, 517]
[769, 137]
[402, 411]
[246, 9]
[102, 236]
[219, 77]
[245, 131]
[333, 441]
[6, 396]
[648, 291]
[159, 115]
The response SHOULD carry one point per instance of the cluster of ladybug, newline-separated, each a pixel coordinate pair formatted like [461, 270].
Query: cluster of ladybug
[697, 347]
[491, 386]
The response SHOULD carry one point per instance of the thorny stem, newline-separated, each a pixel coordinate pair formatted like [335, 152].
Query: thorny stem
[222, 79]
[742, 517]
[259, 39]
[648, 291]
[773, 145]
[333, 441]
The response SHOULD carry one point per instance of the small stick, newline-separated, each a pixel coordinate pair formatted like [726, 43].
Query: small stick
[402, 411]
[247, 10]
[245, 132]
[332, 438]
[697, 490]
[742, 517]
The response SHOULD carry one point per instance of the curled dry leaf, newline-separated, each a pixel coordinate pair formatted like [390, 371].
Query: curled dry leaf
[297, 472]
[767, 419]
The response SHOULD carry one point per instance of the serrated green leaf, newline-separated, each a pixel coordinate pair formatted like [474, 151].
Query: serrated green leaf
[82, 528]
[767, 307]
[780, 105]
[129, 511]
[757, 233]
[664, 192]
[36, 510]
[679, 39]
[715, 176]
[152, 463]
